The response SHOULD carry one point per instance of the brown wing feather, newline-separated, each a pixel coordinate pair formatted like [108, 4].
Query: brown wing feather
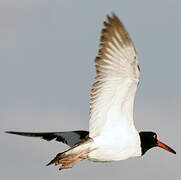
[115, 62]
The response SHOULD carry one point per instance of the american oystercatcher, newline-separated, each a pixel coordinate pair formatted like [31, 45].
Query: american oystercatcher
[112, 135]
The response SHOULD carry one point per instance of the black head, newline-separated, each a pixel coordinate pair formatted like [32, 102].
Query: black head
[149, 140]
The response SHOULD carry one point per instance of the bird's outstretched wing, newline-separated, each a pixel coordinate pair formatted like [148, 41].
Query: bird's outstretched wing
[113, 93]
[68, 137]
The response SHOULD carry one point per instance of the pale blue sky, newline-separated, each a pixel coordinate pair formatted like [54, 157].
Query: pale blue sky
[47, 50]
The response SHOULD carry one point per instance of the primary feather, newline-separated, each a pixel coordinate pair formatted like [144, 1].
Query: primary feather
[67, 137]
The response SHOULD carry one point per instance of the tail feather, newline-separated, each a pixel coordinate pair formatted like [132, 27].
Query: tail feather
[68, 161]
[69, 158]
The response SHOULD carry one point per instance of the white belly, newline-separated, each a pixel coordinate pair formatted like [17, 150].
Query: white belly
[108, 148]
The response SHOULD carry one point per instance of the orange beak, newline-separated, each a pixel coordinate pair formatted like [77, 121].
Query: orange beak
[164, 146]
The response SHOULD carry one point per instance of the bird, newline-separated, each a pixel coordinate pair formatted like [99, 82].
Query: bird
[112, 135]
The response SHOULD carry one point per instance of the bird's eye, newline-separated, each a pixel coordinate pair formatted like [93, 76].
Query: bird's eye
[155, 136]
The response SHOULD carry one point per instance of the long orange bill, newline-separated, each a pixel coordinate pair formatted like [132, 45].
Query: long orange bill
[164, 146]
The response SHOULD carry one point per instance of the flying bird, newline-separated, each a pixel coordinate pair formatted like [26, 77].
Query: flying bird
[112, 134]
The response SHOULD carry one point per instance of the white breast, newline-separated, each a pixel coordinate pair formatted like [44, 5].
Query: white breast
[121, 146]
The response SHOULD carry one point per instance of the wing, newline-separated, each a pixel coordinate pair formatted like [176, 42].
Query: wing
[113, 93]
[69, 137]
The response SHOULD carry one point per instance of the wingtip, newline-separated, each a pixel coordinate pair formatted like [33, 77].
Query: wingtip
[13, 132]
[9, 132]
[112, 16]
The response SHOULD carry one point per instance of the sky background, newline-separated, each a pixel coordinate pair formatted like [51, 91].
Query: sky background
[47, 48]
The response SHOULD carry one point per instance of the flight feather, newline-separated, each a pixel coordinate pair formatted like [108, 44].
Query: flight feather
[112, 95]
